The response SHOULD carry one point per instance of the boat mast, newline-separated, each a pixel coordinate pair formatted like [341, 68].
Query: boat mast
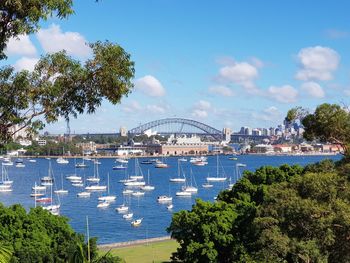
[217, 165]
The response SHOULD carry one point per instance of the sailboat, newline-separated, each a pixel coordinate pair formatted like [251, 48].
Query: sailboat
[136, 178]
[207, 185]
[147, 187]
[237, 175]
[128, 216]
[96, 177]
[62, 160]
[122, 208]
[5, 184]
[48, 180]
[61, 191]
[191, 188]
[137, 222]
[96, 187]
[121, 160]
[37, 191]
[178, 179]
[164, 199]
[217, 178]
[108, 197]
[82, 164]
[161, 164]
[52, 208]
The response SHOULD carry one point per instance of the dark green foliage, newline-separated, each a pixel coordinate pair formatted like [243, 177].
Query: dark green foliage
[23, 16]
[285, 214]
[204, 232]
[329, 123]
[39, 236]
[62, 87]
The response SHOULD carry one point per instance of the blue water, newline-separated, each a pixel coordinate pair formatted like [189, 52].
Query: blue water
[107, 224]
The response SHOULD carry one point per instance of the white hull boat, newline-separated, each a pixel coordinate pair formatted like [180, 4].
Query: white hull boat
[103, 204]
[84, 194]
[164, 199]
[183, 193]
[122, 209]
[128, 216]
[96, 188]
[137, 222]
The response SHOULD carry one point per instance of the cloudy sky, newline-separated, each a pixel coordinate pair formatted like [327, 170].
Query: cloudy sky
[225, 63]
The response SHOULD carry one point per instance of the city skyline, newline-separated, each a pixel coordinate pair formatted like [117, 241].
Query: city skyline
[225, 64]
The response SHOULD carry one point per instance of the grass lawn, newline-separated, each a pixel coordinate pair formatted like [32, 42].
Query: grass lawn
[153, 252]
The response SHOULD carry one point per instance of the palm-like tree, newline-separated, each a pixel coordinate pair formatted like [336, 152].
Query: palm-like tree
[5, 253]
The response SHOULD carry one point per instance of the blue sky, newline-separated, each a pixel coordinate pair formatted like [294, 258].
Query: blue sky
[225, 63]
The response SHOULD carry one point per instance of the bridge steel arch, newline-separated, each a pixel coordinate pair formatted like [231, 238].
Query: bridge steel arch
[205, 128]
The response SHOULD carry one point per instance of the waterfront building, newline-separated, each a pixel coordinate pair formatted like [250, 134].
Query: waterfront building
[87, 146]
[184, 145]
[283, 148]
[263, 148]
[41, 142]
[130, 150]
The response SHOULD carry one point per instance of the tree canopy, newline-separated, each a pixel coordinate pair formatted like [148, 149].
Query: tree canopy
[23, 16]
[60, 86]
[39, 236]
[275, 214]
[329, 123]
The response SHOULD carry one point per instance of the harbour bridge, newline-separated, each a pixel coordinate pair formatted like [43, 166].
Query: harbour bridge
[177, 126]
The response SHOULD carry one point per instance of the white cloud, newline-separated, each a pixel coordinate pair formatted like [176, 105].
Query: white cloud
[20, 46]
[221, 90]
[256, 62]
[25, 63]
[313, 89]
[53, 39]
[155, 108]
[347, 92]
[317, 63]
[200, 109]
[132, 107]
[239, 73]
[284, 94]
[268, 114]
[197, 113]
[203, 105]
[271, 110]
[150, 86]
[336, 34]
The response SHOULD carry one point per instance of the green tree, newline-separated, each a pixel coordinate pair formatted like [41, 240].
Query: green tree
[329, 123]
[39, 236]
[5, 253]
[23, 17]
[62, 87]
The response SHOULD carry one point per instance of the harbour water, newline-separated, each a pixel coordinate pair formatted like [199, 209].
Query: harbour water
[106, 223]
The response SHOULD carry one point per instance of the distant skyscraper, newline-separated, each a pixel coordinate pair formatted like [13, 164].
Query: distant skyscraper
[227, 134]
[247, 131]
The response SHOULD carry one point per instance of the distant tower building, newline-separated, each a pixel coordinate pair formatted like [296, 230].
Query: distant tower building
[247, 131]
[272, 131]
[227, 134]
[265, 132]
[256, 132]
[123, 131]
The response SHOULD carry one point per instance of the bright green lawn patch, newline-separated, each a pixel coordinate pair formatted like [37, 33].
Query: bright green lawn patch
[153, 252]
